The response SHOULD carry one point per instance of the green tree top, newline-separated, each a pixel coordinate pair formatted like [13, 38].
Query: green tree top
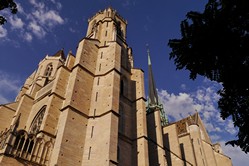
[7, 4]
[215, 44]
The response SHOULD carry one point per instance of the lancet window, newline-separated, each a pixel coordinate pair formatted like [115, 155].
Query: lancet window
[23, 144]
[49, 70]
[119, 29]
[36, 124]
[28, 147]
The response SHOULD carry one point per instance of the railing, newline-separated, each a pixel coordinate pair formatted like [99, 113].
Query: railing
[44, 90]
[32, 148]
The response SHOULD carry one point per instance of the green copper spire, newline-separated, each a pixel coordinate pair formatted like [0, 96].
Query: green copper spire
[148, 52]
[153, 101]
[153, 98]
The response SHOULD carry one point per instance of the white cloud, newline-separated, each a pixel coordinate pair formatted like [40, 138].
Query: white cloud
[20, 8]
[239, 158]
[204, 100]
[215, 137]
[36, 4]
[28, 37]
[43, 19]
[178, 106]
[37, 29]
[230, 127]
[50, 17]
[58, 4]
[3, 32]
[211, 128]
[35, 20]
[8, 85]
[16, 22]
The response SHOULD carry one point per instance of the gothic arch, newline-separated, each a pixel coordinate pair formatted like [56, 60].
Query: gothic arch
[49, 69]
[37, 121]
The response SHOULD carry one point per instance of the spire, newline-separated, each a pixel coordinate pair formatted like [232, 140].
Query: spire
[153, 102]
[153, 98]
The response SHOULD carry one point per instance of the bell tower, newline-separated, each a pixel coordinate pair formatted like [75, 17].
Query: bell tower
[107, 26]
[104, 101]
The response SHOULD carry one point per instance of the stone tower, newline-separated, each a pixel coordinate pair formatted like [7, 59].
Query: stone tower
[89, 109]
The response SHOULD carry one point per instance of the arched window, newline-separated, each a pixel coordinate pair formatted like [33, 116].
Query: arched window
[23, 144]
[37, 121]
[49, 70]
[119, 29]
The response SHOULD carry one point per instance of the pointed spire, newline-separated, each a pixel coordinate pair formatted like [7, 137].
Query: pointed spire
[153, 101]
[153, 98]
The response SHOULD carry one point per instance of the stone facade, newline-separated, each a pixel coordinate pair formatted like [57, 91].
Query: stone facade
[89, 109]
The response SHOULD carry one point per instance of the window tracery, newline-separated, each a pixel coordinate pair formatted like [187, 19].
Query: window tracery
[49, 70]
[36, 124]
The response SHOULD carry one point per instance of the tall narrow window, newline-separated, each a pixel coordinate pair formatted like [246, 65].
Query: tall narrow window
[107, 24]
[92, 131]
[121, 124]
[89, 153]
[122, 87]
[124, 59]
[101, 56]
[118, 154]
[105, 33]
[49, 70]
[94, 113]
[96, 97]
[98, 81]
[37, 121]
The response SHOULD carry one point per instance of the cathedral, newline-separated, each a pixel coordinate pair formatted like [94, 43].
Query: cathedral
[90, 109]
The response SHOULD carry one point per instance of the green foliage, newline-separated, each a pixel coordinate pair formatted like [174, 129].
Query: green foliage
[7, 4]
[215, 44]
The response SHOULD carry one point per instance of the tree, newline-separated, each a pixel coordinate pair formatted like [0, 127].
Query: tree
[7, 4]
[215, 44]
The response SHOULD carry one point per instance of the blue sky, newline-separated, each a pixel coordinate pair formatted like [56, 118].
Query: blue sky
[44, 27]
